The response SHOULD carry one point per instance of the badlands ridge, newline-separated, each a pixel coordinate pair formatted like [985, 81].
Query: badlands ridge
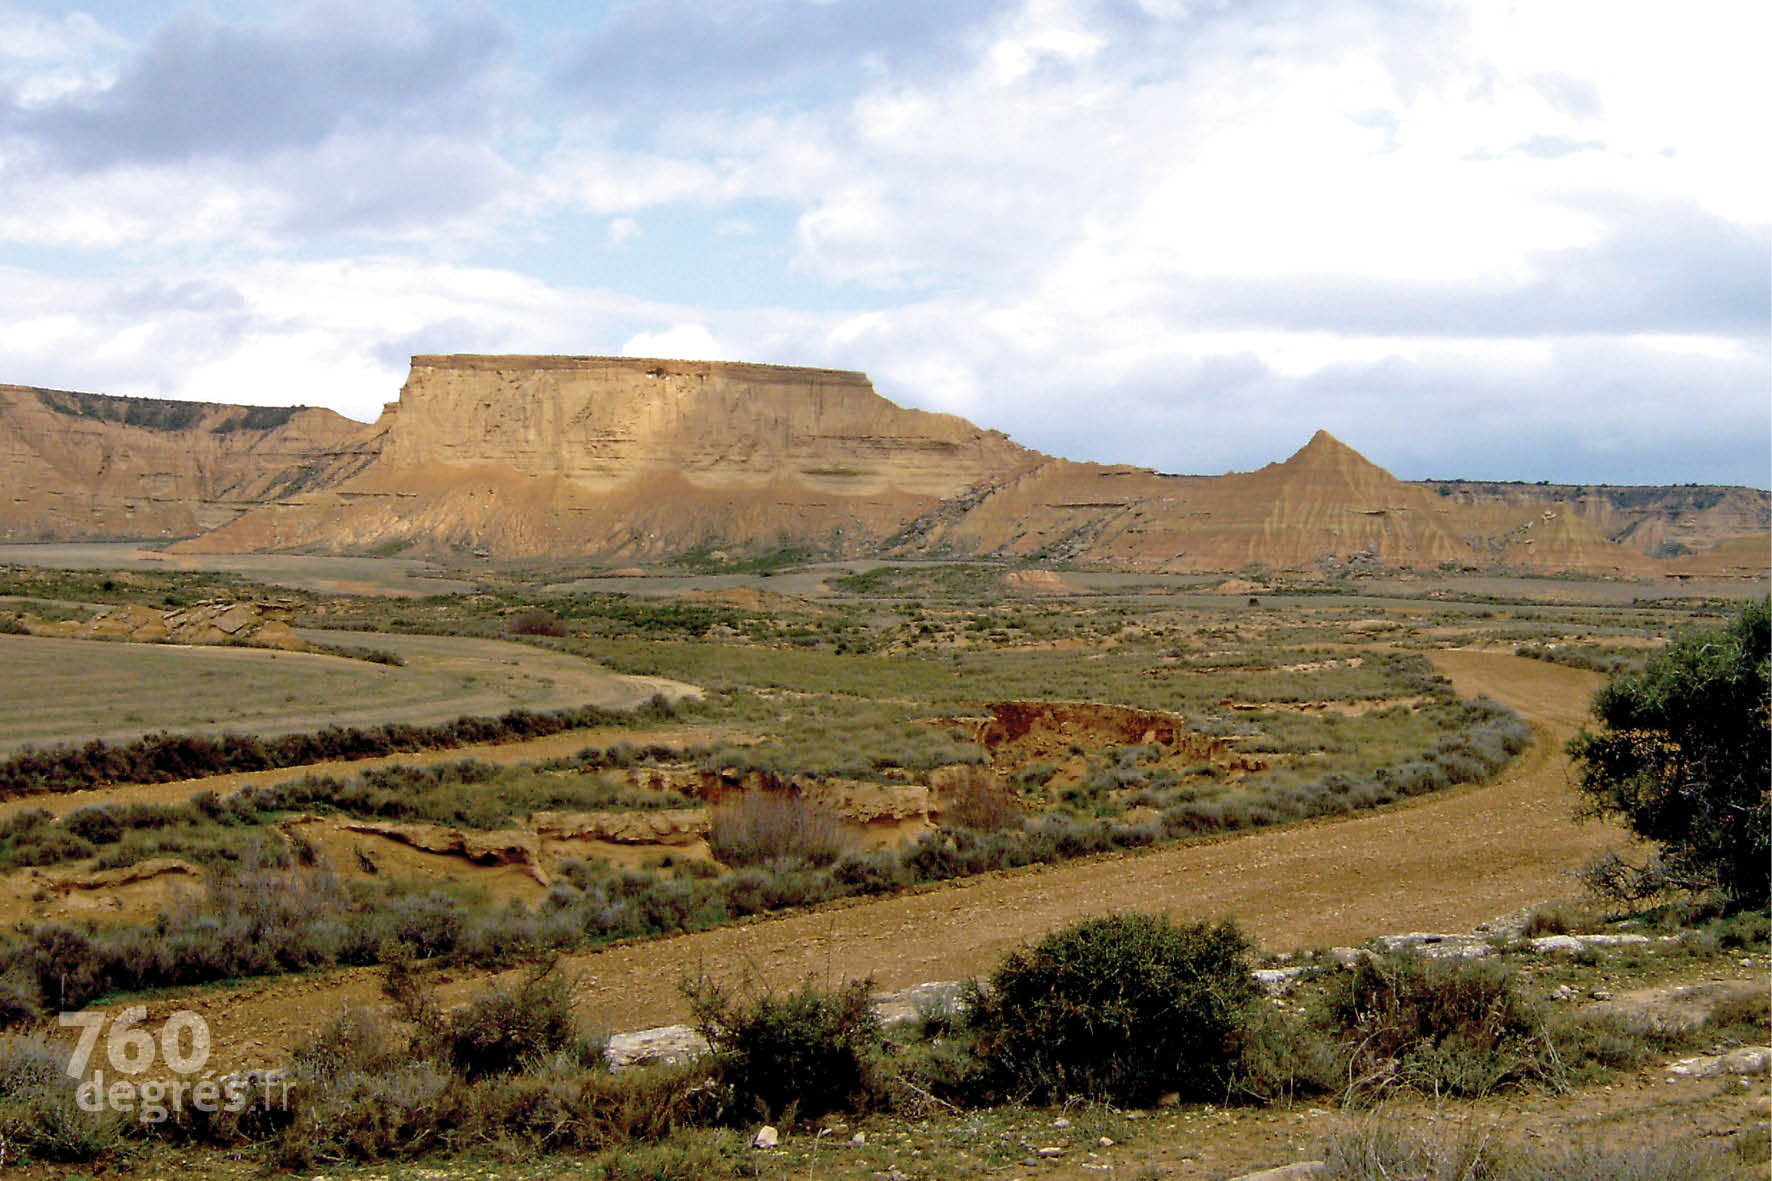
[631, 460]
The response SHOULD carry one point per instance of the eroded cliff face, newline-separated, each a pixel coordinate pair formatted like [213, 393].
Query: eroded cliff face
[1325, 506]
[638, 458]
[79, 466]
[1663, 522]
[603, 422]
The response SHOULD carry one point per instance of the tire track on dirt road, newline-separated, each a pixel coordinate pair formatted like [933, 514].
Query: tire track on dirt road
[1443, 862]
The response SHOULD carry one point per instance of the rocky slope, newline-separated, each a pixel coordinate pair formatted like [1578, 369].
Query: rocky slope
[1325, 506]
[90, 467]
[634, 460]
[1664, 522]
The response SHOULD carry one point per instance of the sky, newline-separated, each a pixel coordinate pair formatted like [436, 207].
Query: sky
[1493, 240]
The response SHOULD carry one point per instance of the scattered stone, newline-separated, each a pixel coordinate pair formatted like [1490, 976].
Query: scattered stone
[1050, 1151]
[1351, 957]
[767, 1137]
[1564, 992]
[1437, 946]
[666, 1043]
[1104, 1142]
[1061, 1122]
[1749, 1060]
[1570, 944]
[1277, 980]
[916, 1002]
[1301, 1171]
[1601, 994]
[859, 1139]
[1763, 1106]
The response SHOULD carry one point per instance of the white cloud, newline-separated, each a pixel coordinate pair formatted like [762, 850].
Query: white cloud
[680, 342]
[1168, 232]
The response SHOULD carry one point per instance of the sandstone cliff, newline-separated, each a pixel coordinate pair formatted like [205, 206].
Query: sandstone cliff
[91, 467]
[1663, 522]
[637, 458]
[629, 460]
[1325, 506]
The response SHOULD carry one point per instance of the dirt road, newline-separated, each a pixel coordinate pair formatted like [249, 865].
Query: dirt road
[1445, 862]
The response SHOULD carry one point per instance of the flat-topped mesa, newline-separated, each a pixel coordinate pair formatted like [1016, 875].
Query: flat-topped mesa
[639, 459]
[602, 422]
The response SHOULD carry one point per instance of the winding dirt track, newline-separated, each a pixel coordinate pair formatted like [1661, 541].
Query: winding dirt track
[1446, 862]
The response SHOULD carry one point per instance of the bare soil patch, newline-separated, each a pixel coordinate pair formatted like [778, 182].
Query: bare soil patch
[1062, 735]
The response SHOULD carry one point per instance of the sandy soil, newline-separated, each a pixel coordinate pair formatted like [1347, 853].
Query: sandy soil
[1446, 862]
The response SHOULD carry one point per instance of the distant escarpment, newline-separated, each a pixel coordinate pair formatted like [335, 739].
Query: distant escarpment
[630, 460]
[637, 459]
[78, 467]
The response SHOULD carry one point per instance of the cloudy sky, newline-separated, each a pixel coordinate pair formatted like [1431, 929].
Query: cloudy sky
[1490, 239]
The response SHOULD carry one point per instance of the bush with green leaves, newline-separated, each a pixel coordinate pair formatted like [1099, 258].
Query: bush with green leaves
[1457, 1027]
[1683, 754]
[506, 1028]
[1122, 1008]
[796, 1055]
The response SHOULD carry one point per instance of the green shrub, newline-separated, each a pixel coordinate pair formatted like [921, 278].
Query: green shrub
[39, 1120]
[48, 844]
[1457, 1027]
[1683, 754]
[1282, 1057]
[357, 1041]
[96, 824]
[1121, 1008]
[20, 1000]
[538, 622]
[505, 1028]
[798, 1055]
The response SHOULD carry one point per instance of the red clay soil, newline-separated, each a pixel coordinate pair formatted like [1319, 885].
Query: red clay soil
[1444, 862]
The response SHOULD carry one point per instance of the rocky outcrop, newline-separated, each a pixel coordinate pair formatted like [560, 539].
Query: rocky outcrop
[631, 461]
[1326, 507]
[212, 621]
[637, 458]
[1663, 522]
[655, 826]
[90, 467]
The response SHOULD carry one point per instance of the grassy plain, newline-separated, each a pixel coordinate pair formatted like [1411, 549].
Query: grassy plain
[1312, 701]
[65, 690]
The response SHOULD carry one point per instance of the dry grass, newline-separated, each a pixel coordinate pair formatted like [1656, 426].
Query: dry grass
[62, 690]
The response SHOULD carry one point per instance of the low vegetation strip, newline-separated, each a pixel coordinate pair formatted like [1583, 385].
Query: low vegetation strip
[270, 909]
[166, 757]
[1126, 1010]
